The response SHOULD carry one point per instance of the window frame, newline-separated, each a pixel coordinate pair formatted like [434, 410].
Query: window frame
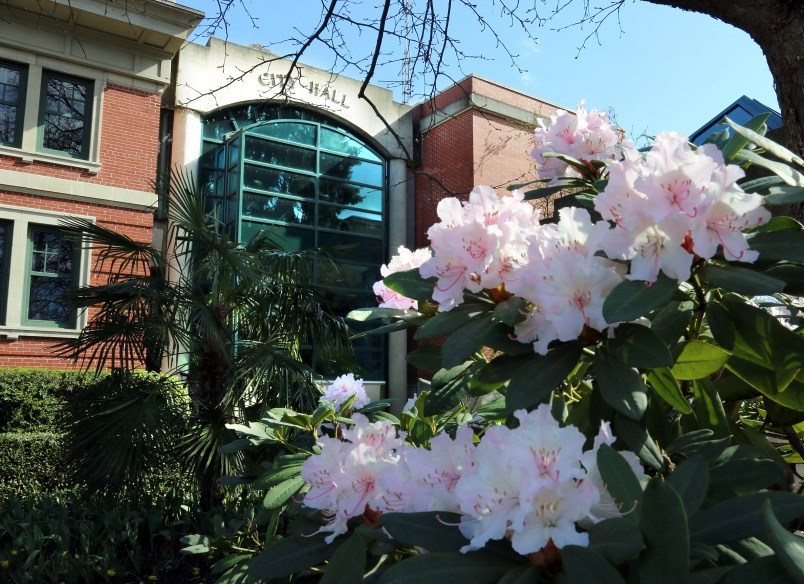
[89, 98]
[15, 325]
[21, 102]
[70, 322]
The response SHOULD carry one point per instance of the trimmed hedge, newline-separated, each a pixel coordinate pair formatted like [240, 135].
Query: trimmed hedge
[31, 463]
[40, 408]
[33, 400]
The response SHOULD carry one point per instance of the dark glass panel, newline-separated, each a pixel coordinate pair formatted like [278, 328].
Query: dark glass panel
[63, 134]
[345, 275]
[348, 247]
[370, 364]
[351, 169]
[8, 123]
[338, 142]
[279, 154]
[233, 149]
[350, 220]
[44, 300]
[347, 194]
[290, 131]
[290, 238]
[278, 209]
[277, 181]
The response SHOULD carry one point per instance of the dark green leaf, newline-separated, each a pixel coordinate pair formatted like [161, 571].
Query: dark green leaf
[621, 482]
[433, 531]
[502, 368]
[738, 141]
[709, 576]
[789, 548]
[666, 386]
[281, 493]
[410, 284]
[617, 539]
[776, 246]
[289, 556]
[709, 409]
[793, 276]
[620, 385]
[739, 476]
[690, 480]
[540, 375]
[776, 384]
[445, 323]
[465, 341]
[426, 357]
[236, 446]
[740, 280]
[664, 524]
[636, 437]
[784, 195]
[498, 337]
[670, 322]
[741, 517]
[631, 300]
[762, 571]
[521, 575]
[447, 568]
[585, 566]
[640, 347]
[511, 311]
[445, 397]
[347, 563]
[698, 360]
[685, 440]
[758, 185]
[774, 148]
[271, 479]
[543, 192]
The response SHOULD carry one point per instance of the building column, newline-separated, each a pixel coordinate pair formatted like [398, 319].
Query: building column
[398, 180]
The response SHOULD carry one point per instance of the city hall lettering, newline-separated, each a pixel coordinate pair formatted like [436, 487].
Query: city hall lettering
[323, 91]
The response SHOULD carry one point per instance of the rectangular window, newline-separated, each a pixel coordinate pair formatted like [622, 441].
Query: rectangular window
[65, 114]
[5, 258]
[13, 82]
[50, 272]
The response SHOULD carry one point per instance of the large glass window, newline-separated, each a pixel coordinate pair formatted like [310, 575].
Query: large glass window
[314, 183]
[50, 272]
[13, 80]
[65, 114]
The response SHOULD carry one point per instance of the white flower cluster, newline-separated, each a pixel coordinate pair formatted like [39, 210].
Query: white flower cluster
[661, 211]
[344, 387]
[584, 135]
[532, 484]
[403, 260]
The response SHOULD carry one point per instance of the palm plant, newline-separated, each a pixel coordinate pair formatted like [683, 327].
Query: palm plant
[229, 318]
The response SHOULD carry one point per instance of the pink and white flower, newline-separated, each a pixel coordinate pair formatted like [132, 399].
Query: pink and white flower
[404, 260]
[344, 387]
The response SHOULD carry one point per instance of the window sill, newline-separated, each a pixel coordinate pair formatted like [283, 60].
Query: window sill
[12, 333]
[28, 157]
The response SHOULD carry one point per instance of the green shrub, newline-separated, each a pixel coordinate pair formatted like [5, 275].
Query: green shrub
[32, 463]
[33, 400]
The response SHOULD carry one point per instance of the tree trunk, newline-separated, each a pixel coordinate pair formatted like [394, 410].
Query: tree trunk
[777, 26]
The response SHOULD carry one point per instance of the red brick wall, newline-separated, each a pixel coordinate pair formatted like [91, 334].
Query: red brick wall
[128, 157]
[129, 143]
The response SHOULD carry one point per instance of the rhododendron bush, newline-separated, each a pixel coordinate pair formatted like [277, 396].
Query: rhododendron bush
[616, 393]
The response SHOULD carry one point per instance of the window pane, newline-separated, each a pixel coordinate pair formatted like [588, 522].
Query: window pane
[278, 209]
[280, 154]
[349, 248]
[338, 142]
[277, 181]
[290, 131]
[8, 123]
[291, 238]
[12, 100]
[350, 220]
[348, 194]
[351, 169]
[64, 118]
[352, 276]
[44, 300]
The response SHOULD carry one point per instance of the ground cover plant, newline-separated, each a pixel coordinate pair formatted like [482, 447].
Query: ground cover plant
[601, 406]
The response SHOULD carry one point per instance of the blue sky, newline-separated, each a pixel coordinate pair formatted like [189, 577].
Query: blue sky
[666, 70]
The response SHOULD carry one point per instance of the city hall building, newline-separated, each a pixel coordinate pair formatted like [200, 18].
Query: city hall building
[98, 96]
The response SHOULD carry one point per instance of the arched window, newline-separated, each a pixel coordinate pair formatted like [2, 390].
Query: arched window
[314, 183]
